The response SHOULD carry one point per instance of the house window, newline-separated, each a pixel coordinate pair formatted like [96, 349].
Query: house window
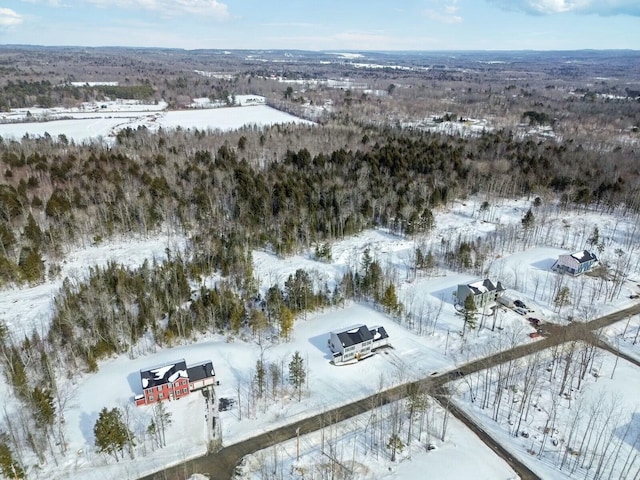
[161, 396]
[184, 390]
[151, 398]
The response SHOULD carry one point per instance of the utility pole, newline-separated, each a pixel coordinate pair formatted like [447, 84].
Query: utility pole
[298, 444]
[626, 326]
[615, 365]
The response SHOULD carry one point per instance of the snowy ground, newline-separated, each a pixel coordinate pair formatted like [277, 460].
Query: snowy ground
[625, 336]
[355, 451]
[428, 341]
[94, 122]
[611, 395]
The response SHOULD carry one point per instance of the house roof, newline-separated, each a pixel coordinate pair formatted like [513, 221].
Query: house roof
[201, 371]
[485, 285]
[583, 256]
[354, 335]
[162, 374]
[379, 333]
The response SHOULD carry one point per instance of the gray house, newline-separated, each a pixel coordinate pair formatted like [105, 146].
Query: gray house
[484, 292]
[576, 263]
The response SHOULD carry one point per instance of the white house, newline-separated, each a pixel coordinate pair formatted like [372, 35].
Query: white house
[576, 263]
[356, 342]
[484, 292]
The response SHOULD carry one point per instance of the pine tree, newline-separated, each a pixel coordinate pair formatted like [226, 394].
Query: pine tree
[31, 264]
[419, 259]
[44, 408]
[260, 377]
[111, 433]
[32, 232]
[562, 298]
[594, 238]
[9, 467]
[427, 221]
[297, 373]
[469, 312]
[366, 261]
[429, 261]
[9, 271]
[389, 300]
[257, 321]
[528, 220]
[395, 444]
[286, 322]
[7, 238]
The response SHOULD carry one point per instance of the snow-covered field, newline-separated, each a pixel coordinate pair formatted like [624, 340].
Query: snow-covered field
[426, 341]
[95, 122]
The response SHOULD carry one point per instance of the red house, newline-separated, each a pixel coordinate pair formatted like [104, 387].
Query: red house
[173, 381]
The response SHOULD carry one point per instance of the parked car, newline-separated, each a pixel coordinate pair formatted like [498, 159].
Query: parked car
[520, 304]
[534, 321]
[520, 311]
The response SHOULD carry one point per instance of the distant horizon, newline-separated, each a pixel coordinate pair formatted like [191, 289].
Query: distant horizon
[335, 51]
[355, 25]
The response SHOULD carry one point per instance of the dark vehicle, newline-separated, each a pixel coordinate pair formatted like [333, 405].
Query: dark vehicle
[519, 303]
[534, 321]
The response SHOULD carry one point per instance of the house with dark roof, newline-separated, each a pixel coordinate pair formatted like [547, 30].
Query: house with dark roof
[173, 380]
[484, 292]
[576, 263]
[356, 342]
[201, 375]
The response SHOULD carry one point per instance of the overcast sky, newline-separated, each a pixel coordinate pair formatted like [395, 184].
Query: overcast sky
[325, 24]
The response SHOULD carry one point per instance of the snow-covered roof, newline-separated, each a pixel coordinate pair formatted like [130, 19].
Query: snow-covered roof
[161, 374]
[486, 285]
[584, 256]
[354, 335]
[177, 374]
[379, 333]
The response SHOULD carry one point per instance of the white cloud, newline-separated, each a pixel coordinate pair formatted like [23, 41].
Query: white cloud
[211, 8]
[443, 11]
[9, 18]
[52, 3]
[550, 7]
